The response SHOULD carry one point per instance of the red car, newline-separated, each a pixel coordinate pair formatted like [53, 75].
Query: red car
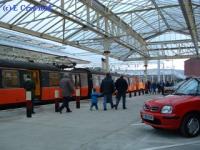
[179, 111]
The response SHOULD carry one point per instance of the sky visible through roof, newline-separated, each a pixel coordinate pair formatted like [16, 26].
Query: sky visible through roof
[147, 23]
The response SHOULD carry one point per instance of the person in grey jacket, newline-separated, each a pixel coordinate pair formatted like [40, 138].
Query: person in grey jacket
[67, 87]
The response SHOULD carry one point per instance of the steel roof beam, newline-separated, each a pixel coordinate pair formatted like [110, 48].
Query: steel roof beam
[147, 9]
[125, 56]
[150, 25]
[162, 57]
[156, 34]
[93, 28]
[172, 48]
[186, 7]
[175, 19]
[169, 42]
[45, 36]
[79, 30]
[160, 13]
[104, 11]
[181, 31]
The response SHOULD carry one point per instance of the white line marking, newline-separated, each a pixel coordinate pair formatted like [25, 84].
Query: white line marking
[137, 124]
[169, 146]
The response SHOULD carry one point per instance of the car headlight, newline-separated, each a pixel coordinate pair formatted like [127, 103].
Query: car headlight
[166, 109]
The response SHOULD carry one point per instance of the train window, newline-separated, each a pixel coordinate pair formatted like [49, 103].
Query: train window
[54, 78]
[95, 80]
[0, 79]
[102, 77]
[44, 78]
[99, 80]
[84, 79]
[76, 80]
[10, 78]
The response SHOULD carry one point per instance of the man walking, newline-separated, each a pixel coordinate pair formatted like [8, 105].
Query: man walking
[121, 87]
[67, 89]
[107, 88]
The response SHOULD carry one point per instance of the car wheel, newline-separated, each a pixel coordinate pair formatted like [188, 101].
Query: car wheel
[190, 126]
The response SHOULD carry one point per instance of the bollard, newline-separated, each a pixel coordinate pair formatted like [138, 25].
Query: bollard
[28, 109]
[135, 94]
[139, 92]
[57, 105]
[130, 95]
[29, 104]
[56, 95]
[77, 98]
[77, 102]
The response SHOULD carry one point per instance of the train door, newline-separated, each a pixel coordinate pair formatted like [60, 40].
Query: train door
[76, 80]
[35, 74]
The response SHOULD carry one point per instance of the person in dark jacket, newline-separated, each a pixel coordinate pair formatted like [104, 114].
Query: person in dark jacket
[107, 88]
[121, 87]
[29, 85]
[67, 87]
[162, 85]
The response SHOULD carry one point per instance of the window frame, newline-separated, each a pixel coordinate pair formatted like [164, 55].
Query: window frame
[58, 75]
[4, 84]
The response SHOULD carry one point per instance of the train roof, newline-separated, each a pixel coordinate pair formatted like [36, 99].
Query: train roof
[27, 65]
[88, 70]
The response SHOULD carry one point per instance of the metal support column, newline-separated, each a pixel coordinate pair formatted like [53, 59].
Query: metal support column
[164, 73]
[106, 53]
[158, 75]
[145, 69]
[145, 77]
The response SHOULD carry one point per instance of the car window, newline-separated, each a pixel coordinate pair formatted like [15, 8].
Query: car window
[178, 84]
[188, 88]
[198, 91]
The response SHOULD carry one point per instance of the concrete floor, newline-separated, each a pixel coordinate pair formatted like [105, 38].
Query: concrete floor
[87, 130]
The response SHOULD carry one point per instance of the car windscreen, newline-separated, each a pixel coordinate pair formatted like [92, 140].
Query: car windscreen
[190, 87]
[177, 85]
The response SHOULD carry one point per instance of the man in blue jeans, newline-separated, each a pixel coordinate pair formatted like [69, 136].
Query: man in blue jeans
[107, 88]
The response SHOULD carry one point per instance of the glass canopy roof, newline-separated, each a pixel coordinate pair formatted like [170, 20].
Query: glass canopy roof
[129, 29]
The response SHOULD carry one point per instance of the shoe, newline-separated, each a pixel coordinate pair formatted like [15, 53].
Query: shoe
[68, 111]
[33, 112]
[60, 111]
[124, 108]
[104, 109]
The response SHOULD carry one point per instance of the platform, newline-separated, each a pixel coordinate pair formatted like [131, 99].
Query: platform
[87, 130]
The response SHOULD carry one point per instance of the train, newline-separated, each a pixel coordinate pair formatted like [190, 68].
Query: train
[46, 78]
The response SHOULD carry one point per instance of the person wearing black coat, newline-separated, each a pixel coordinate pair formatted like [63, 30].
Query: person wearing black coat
[107, 89]
[29, 85]
[121, 87]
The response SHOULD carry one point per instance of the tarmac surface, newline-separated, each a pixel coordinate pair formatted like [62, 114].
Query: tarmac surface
[87, 130]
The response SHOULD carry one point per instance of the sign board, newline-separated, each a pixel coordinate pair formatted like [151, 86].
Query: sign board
[78, 92]
[28, 96]
[56, 93]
